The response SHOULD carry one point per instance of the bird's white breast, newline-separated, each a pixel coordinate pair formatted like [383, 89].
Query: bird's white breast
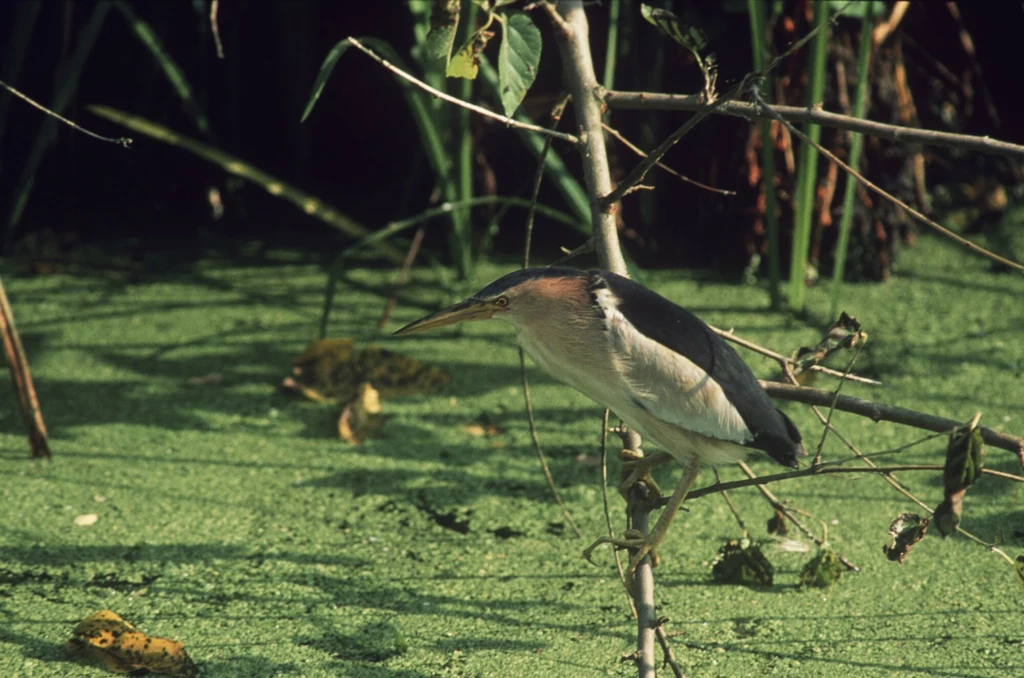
[665, 396]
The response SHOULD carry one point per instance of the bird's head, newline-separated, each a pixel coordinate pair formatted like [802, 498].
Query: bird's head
[520, 297]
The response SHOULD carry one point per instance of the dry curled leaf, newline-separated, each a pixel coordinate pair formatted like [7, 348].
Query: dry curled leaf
[845, 333]
[106, 638]
[906, 531]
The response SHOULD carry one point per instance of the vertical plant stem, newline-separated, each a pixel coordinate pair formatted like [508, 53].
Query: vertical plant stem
[856, 146]
[808, 170]
[462, 232]
[578, 68]
[758, 35]
[611, 48]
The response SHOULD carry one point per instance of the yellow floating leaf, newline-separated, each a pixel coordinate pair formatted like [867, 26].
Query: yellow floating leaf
[106, 638]
[86, 519]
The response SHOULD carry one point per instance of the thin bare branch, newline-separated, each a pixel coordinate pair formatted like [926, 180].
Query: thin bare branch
[638, 173]
[636, 149]
[556, 116]
[652, 101]
[832, 405]
[783, 360]
[888, 196]
[215, 28]
[539, 450]
[403, 275]
[586, 248]
[787, 513]
[459, 102]
[126, 142]
[707, 108]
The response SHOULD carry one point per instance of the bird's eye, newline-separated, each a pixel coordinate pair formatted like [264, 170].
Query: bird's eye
[501, 301]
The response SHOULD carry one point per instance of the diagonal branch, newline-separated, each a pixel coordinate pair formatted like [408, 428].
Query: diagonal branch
[636, 149]
[654, 101]
[784, 361]
[459, 102]
[882, 412]
[704, 110]
[896, 201]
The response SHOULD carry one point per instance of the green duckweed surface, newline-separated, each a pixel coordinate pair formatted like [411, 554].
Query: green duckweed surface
[232, 518]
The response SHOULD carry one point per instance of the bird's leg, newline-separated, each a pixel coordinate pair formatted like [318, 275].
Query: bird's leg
[637, 467]
[643, 545]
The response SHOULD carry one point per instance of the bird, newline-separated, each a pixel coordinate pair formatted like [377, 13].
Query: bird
[657, 366]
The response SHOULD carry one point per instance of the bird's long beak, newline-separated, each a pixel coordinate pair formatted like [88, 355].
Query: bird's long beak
[470, 309]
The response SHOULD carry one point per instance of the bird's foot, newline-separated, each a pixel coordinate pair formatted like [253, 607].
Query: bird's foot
[637, 467]
[641, 545]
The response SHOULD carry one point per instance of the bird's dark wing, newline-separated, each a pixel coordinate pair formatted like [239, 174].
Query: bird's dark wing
[686, 335]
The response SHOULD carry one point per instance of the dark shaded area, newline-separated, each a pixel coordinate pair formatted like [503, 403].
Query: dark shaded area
[360, 150]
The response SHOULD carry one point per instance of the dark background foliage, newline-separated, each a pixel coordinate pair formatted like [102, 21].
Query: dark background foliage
[359, 150]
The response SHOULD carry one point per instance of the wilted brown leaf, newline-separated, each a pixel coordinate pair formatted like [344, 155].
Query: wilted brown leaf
[845, 333]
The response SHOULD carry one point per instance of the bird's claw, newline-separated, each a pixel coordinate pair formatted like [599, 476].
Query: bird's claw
[634, 540]
[637, 468]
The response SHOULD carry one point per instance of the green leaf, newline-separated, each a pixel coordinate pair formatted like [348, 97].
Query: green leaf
[326, 68]
[444, 22]
[417, 100]
[742, 562]
[823, 570]
[171, 70]
[518, 59]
